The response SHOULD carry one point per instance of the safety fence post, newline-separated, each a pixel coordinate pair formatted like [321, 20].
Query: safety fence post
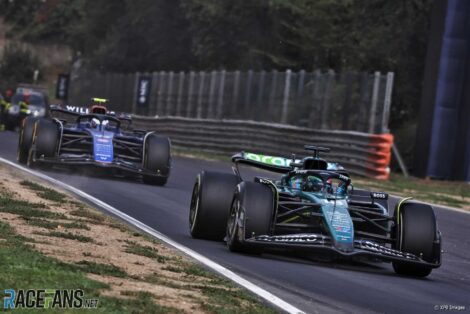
[326, 103]
[220, 97]
[285, 100]
[190, 94]
[236, 91]
[387, 101]
[179, 101]
[161, 90]
[169, 96]
[200, 96]
[210, 107]
[134, 96]
[272, 94]
[374, 100]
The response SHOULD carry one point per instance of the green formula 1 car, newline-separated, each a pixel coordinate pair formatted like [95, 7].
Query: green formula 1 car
[312, 207]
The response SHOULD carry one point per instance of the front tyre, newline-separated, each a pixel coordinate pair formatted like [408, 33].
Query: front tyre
[210, 204]
[157, 159]
[416, 233]
[25, 139]
[46, 138]
[251, 215]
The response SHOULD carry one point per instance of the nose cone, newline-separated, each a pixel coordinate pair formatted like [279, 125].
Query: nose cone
[346, 247]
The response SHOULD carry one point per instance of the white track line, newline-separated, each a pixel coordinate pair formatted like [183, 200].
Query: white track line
[271, 298]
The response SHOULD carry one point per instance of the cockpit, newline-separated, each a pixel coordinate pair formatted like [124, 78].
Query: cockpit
[331, 187]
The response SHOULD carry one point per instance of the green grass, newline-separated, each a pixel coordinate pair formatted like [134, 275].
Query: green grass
[163, 281]
[37, 222]
[84, 213]
[173, 269]
[43, 223]
[75, 225]
[67, 235]
[102, 269]
[147, 251]
[196, 153]
[228, 301]
[450, 193]
[25, 268]
[26, 209]
[146, 304]
[43, 192]
[22, 267]
[195, 270]
[77, 205]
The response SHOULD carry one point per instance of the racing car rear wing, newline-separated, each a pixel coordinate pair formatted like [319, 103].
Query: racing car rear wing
[282, 164]
[78, 111]
[270, 163]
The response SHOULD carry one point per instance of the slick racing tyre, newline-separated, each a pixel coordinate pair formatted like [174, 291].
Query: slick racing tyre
[26, 139]
[251, 215]
[210, 204]
[157, 159]
[416, 232]
[46, 137]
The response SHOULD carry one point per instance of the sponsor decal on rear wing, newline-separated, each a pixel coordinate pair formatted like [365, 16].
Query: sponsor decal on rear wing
[275, 162]
[78, 110]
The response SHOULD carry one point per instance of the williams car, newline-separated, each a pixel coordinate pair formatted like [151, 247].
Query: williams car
[94, 138]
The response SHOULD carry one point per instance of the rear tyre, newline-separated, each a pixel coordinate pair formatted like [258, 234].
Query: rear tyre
[210, 204]
[45, 140]
[416, 232]
[251, 215]
[26, 139]
[157, 159]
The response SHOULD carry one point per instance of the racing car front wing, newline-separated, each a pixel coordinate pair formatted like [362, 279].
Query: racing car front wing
[318, 242]
[117, 164]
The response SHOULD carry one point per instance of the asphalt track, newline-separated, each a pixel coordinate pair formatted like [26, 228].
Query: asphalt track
[306, 282]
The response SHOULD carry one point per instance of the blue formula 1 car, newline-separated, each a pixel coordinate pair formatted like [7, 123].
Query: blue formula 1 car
[313, 207]
[95, 138]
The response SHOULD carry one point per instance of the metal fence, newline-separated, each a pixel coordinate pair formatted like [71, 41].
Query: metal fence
[321, 100]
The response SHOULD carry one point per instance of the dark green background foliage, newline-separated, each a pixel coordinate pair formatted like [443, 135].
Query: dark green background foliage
[17, 65]
[148, 35]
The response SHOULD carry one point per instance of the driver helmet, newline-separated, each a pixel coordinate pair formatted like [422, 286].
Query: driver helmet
[309, 183]
[314, 184]
[340, 189]
[95, 123]
[296, 182]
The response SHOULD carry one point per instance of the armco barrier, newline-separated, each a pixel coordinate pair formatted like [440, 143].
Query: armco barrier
[361, 153]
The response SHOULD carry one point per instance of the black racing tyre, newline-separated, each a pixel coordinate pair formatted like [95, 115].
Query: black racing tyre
[25, 139]
[210, 204]
[251, 215]
[415, 232]
[157, 159]
[46, 138]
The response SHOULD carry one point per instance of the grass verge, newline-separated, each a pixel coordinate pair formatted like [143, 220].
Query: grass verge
[448, 193]
[128, 271]
[24, 268]
[43, 192]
